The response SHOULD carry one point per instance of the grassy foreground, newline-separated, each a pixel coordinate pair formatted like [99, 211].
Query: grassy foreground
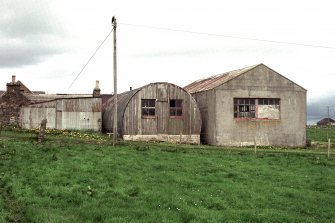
[82, 178]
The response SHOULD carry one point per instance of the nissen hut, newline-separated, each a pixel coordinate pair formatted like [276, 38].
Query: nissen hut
[157, 111]
[251, 105]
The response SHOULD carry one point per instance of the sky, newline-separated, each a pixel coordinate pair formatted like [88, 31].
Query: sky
[46, 43]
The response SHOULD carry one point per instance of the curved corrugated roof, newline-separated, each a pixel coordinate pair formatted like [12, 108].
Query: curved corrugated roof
[216, 80]
[108, 109]
[122, 100]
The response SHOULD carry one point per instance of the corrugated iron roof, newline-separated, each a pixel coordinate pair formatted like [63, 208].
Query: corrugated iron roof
[216, 80]
[36, 98]
[108, 109]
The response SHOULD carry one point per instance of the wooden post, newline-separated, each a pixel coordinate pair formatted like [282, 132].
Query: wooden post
[115, 84]
[328, 153]
[41, 134]
[255, 144]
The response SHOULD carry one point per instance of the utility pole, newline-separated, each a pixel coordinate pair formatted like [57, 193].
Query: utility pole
[328, 115]
[115, 84]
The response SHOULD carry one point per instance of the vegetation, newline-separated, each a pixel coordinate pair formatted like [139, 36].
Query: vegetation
[321, 134]
[80, 177]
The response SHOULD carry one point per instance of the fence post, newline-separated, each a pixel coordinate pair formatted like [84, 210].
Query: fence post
[255, 145]
[328, 153]
[41, 134]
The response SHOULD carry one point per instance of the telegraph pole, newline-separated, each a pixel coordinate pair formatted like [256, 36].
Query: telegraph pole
[115, 83]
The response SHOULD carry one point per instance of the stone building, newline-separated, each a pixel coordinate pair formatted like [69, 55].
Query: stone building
[11, 100]
[251, 105]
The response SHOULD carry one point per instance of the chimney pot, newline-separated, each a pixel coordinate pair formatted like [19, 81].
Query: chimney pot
[96, 90]
[13, 79]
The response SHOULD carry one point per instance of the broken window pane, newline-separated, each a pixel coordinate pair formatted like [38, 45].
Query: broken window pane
[176, 107]
[148, 107]
[264, 108]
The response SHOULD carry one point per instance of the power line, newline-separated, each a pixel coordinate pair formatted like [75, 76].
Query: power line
[228, 36]
[89, 60]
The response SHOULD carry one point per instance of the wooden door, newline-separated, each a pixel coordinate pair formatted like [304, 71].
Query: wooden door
[162, 108]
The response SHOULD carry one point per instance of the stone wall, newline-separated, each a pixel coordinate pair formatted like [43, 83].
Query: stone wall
[10, 103]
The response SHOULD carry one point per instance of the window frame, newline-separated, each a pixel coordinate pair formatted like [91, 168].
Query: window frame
[177, 108]
[148, 105]
[251, 106]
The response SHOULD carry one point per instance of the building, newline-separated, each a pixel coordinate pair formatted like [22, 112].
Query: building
[24, 108]
[251, 105]
[326, 121]
[75, 112]
[15, 96]
[157, 111]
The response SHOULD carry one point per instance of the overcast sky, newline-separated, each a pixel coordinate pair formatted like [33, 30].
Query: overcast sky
[46, 43]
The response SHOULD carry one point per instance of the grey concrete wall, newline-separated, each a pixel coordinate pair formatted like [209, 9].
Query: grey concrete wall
[207, 104]
[261, 82]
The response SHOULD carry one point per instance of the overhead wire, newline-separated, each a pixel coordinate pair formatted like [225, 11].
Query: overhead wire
[228, 36]
[89, 60]
[192, 32]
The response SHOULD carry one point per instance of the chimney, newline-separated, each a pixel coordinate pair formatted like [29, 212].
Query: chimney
[96, 90]
[13, 79]
[131, 88]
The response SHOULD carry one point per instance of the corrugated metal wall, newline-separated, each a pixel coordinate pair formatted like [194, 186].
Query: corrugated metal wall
[134, 124]
[74, 113]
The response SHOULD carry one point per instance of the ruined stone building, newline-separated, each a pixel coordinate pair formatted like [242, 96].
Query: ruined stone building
[251, 105]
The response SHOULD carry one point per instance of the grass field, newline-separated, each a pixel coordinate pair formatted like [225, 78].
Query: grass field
[78, 177]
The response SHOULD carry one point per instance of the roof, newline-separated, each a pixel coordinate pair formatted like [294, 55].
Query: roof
[36, 98]
[123, 100]
[23, 87]
[216, 80]
[325, 121]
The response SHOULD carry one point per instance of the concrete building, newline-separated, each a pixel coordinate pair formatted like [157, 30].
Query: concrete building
[252, 104]
[157, 111]
[24, 108]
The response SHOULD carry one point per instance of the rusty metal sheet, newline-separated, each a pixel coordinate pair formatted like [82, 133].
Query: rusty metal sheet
[216, 80]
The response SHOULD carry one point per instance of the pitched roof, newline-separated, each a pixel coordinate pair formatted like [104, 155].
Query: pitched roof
[216, 80]
[23, 87]
[325, 121]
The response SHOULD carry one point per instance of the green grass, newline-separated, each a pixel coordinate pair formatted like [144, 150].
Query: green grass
[321, 134]
[78, 178]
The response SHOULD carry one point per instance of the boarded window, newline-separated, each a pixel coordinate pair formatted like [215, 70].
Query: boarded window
[148, 107]
[176, 108]
[262, 108]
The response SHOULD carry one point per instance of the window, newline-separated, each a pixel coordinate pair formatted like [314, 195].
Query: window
[148, 107]
[176, 108]
[260, 108]
[244, 108]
